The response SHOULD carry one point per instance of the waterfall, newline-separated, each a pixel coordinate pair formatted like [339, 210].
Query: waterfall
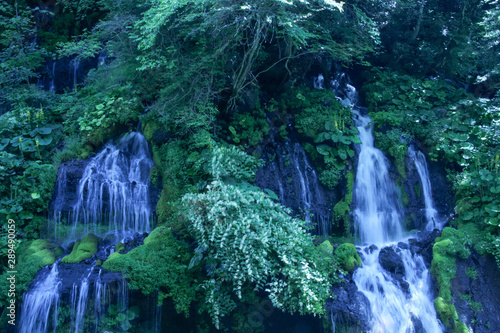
[113, 194]
[377, 213]
[431, 214]
[319, 82]
[40, 304]
[78, 305]
[400, 300]
[108, 195]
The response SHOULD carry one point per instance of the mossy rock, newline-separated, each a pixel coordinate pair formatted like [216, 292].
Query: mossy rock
[119, 247]
[83, 249]
[58, 251]
[446, 311]
[32, 256]
[161, 262]
[149, 128]
[42, 249]
[448, 315]
[112, 256]
[326, 248]
[347, 256]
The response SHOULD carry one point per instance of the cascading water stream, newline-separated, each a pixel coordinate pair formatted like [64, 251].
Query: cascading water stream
[112, 195]
[431, 214]
[40, 304]
[79, 304]
[397, 305]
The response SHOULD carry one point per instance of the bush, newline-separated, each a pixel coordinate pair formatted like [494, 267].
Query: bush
[246, 238]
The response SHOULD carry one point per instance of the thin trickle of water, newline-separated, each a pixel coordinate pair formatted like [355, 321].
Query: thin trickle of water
[81, 304]
[295, 182]
[305, 193]
[74, 64]
[377, 215]
[319, 82]
[52, 86]
[39, 310]
[431, 213]
[100, 289]
[309, 183]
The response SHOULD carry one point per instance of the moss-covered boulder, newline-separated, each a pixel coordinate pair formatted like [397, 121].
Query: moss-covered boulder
[347, 256]
[83, 249]
[326, 248]
[161, 263]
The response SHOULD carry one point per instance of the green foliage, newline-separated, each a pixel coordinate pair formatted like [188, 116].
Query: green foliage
[347, 256]
[83, 249]
[342, 208]
[249, 127]
[223, 51]
[98, 114]
[394, 142]
[161, 263]
[432, 37]
[20, 58]
[245, 238]
[326, 127]
[341, 212]
[472, 273]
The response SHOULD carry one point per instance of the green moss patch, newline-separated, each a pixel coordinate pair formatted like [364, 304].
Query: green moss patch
[83, 249]
[451, 243]
[347, 256]
[161, 263]
[326, 249]
[31, 257]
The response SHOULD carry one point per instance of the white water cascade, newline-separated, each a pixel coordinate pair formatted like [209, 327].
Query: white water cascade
[109, 196]
[113, 194]
[397, 305]
[79, 303]
[431, 214]
[39, 311]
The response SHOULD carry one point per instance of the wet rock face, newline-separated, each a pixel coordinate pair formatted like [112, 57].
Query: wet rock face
[350, 310]
[424, 245]
[289, 173]
[391, 261]
[476, 293]
[68, 178]
[61, 75]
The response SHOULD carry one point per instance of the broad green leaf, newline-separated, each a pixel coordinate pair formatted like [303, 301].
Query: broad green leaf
[324, 150]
